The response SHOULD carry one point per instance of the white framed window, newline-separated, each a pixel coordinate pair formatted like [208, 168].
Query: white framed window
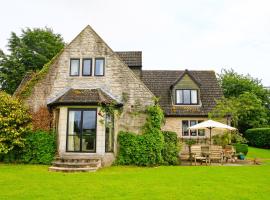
[99, 66]
[193, 133]
[74, 67]
[186, 97]
[87, 67]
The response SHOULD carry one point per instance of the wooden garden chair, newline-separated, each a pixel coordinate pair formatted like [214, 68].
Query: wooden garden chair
[196, 153]
[216, 153]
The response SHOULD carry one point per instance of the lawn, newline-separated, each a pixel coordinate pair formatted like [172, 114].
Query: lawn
[258, 153]
[179, 182]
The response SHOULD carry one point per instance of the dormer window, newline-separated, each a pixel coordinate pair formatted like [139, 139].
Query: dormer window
[186, 97]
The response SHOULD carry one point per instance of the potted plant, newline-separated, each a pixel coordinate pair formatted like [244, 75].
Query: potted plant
[241, 156]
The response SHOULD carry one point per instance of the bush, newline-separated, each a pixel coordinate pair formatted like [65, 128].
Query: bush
[15, 122]
[171, 148]
[141, 150]
[241, 148]
[258, 137]
[40, 148]
[128, 144]
[145, 149]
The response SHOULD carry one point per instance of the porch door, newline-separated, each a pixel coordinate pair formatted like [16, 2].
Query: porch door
[81, 133]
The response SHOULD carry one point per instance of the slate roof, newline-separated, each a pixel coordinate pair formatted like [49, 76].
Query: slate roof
[131, 58]
[83, 97]
[160, 82]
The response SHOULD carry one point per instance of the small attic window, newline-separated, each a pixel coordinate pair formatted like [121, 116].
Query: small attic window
[99, 66]
[74, 67]
[186, 97]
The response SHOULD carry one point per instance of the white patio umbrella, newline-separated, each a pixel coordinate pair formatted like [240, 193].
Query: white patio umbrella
[211, 124]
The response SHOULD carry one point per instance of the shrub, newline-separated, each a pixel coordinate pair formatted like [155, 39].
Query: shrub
[40, 148]
[127, 148]
[258, 137]
[15, 122]
[171, 148]
[241, 148]
[145, 149]
[142, 150]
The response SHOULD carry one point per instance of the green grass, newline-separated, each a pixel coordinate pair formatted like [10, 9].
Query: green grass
[180, 182]
[258, 153]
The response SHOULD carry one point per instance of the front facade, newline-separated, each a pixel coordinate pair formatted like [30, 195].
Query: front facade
[88, 74]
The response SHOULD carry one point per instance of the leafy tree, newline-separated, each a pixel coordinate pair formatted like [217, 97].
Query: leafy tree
[246, 110]
[28, 52]
[234, 85]
[15, 122]
[246, 100]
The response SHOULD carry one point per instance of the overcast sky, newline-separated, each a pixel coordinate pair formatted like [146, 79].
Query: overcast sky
[180, 34]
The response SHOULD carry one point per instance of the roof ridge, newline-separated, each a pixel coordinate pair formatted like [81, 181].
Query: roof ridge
[172, 70]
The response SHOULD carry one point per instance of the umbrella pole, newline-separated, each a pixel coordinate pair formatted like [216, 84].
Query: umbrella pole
[210, 135]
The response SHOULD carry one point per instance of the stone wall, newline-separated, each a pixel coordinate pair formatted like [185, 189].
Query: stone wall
[175, 124]
[119, 80]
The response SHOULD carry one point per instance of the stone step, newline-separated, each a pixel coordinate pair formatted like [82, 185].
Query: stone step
[75, 164]
[77, 160]
[67, 169]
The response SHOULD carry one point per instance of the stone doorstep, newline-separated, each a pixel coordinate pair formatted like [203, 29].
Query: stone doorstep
[80, 156]
[77, 160]
[65, 169]
[76, 165]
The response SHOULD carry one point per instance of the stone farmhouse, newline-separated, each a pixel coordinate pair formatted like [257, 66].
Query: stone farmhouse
[87, 73]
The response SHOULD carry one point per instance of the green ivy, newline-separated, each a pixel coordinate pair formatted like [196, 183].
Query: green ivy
[171, 148]
[36, 77]
[152, 147]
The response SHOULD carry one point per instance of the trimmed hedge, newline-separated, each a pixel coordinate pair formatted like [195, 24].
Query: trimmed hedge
[40, 148]
[171, 148]
[241, 148]
[148, 149]
[141, 150]
[258, 137]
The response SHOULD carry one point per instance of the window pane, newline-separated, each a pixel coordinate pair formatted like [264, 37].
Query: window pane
[99, 67]
[193, 132]
[74, 125]
[89, 130]
[89, 121]
[87, 67]
[186, 96]
[109, 133]
[73, 143]
[179, 96]
[88, 142]
[194, 98]
[185, 128]
[74, 67]
[201, 132]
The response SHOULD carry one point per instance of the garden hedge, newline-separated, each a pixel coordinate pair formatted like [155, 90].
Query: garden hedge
[171, 148]
[148, 149]
[241, 148]
[40, 148]
[258, 137]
